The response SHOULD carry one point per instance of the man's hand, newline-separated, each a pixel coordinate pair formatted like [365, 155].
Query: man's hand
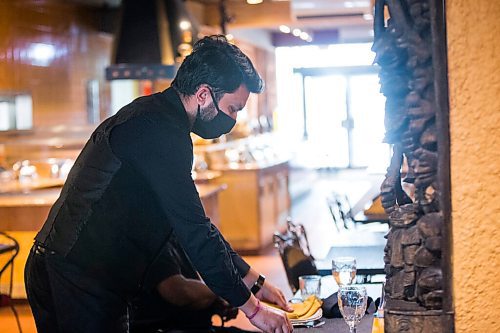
[266, 318]
[271, 320]
[269, 293]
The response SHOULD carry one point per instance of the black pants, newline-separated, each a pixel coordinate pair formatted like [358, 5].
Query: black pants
[64, 299]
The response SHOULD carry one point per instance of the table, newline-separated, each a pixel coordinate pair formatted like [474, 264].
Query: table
[361, 213]
[329, 286]
[369, 259]
[362, 217]
[338, 325]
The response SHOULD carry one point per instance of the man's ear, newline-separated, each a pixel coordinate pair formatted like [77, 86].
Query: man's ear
[202, 96]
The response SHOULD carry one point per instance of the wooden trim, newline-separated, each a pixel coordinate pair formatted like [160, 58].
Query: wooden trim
[438, 31]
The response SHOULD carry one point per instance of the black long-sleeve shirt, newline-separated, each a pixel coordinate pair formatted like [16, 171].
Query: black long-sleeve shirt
[130, 188]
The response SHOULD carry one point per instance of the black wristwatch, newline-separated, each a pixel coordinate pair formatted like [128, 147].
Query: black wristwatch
[258, 284]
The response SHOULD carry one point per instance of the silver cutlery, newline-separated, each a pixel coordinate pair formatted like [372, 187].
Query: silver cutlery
[310, 324]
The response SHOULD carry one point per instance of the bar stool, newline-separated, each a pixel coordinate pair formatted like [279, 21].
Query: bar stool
[9, 246]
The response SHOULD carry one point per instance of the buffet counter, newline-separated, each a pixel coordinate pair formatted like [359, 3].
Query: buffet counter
[255, 204]
[257, 200]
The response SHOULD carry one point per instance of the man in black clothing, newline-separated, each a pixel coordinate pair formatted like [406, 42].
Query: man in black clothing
[180, 302]
[130, 190]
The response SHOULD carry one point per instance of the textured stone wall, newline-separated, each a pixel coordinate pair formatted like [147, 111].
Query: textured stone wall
[474, 81]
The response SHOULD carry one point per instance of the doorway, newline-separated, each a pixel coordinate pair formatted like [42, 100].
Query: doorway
[343, 114]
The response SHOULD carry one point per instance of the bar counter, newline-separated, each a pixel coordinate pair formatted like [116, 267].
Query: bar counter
[23, 214]
[27, 211]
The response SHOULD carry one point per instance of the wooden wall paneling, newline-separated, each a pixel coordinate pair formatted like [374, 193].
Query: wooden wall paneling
[81, 53]
[265, 64]
[253, 101]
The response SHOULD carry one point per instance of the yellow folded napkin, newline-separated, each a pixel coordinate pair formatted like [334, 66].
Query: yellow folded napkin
[378, 325]
[304, 309]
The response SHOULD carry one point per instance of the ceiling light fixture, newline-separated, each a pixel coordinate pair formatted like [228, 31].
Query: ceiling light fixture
[254, 2]
[356, 3]
[304, 35]
[184, 25]
[296, 32]
[284, 29]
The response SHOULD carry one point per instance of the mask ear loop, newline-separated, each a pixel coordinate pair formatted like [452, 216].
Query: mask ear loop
[216, 104]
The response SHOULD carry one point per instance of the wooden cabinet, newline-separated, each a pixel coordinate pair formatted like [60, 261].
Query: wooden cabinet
[254, 205]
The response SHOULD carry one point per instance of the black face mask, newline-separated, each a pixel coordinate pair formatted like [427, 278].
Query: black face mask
[211, 129]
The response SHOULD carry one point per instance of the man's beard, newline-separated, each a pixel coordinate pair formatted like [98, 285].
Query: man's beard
[208, 113]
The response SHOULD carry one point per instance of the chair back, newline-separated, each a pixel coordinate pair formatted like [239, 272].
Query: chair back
[8, 244]
[340, 209]
[333, 207]
[295, 253]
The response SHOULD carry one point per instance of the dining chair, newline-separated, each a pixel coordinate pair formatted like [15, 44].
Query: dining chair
[9, 247]
[340, 210]
[293, 247]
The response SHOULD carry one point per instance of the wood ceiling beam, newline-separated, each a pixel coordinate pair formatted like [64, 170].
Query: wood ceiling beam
[266, 14]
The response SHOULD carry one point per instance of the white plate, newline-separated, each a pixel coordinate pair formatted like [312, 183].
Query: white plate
[317, 315]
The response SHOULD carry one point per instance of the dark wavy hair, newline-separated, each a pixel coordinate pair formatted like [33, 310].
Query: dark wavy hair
[219, 64]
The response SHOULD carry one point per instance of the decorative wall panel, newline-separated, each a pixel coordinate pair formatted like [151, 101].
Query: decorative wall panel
[410, 48]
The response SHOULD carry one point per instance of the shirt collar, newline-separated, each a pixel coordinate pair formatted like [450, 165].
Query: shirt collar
[179, 111]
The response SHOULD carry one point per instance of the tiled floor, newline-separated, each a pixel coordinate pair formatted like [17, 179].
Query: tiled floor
[309, 208]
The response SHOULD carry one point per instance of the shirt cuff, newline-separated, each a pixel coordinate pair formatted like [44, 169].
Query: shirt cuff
[240, 265]
[240, 296]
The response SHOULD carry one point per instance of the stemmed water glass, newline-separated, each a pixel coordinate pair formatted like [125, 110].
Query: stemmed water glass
[352, 304]
[344, 270]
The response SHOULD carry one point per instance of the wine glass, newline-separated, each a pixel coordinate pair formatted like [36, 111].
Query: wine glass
[352, 304]
[344, 270]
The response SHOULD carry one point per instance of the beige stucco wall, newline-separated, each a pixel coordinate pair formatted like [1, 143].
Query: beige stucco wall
[474, 81]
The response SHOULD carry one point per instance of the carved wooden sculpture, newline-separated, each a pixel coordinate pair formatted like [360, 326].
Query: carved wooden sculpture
[413, 255]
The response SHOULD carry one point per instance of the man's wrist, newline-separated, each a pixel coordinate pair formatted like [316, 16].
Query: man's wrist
[255, 311]
[249, 306]
[258, 284]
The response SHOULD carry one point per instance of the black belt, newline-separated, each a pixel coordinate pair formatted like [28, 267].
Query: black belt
[41, 250]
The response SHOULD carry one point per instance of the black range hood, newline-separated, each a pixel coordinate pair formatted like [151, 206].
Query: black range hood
[150, 42]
